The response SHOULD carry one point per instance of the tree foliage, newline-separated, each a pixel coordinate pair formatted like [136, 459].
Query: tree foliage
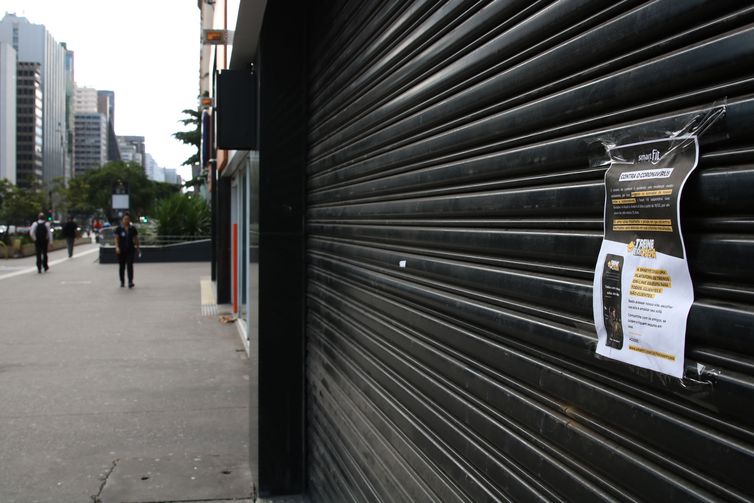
[93, 190]
[85, 195]
[58, 193]
[77, 196]
[19, 205]
[193, 136]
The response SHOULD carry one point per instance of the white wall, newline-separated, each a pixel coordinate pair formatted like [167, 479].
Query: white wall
[7, 112]
[85, 100]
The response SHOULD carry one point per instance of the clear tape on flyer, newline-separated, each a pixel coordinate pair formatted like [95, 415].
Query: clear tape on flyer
[650, 302]
[703, 124]
[699, 377]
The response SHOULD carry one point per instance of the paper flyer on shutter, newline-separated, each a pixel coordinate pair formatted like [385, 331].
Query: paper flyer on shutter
[642, 286]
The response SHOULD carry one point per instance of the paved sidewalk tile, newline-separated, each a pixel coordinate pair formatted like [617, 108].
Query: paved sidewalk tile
[93, 375]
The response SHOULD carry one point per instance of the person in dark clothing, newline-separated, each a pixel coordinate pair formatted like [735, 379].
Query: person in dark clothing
[41, 234]
[126, 247]
[69, 233]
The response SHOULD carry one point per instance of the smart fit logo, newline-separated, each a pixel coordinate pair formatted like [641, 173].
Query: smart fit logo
[653, 157]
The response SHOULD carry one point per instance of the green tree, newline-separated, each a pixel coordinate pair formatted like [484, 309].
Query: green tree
[58, 199]
[77, 196]
[5, 187]
[93, 189]
[19, 205]
[162, 191]
[193, 136]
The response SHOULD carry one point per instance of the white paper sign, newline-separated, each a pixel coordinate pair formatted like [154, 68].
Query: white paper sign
[642, 286]
[120, 201]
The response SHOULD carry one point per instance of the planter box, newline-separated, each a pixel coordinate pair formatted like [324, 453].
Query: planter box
[28, 250]
[193, 251]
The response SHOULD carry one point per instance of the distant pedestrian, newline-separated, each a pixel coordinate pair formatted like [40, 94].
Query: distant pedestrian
[69, 233]
[41, 234]
[126, 247]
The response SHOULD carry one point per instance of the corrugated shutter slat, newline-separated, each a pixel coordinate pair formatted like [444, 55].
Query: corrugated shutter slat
[454, 216]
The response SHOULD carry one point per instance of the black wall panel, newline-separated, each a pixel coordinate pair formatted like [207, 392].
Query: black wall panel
[453, 220]
[236, 103]
[282, 161]
[221, 215]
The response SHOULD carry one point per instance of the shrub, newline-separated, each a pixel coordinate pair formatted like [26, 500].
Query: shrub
[183, 215]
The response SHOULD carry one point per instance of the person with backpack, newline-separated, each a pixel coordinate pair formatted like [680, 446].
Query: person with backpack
[41, 234]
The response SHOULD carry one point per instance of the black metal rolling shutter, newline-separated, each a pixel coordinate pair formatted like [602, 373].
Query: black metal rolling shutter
[453, 224]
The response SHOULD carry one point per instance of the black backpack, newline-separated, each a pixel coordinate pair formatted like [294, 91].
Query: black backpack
[41, 232]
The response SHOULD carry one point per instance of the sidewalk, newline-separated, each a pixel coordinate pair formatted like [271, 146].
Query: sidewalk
[110, 394]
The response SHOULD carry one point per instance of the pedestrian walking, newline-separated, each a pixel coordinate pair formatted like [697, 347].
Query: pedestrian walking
[41, 234]
[126, 247]
[69, 233]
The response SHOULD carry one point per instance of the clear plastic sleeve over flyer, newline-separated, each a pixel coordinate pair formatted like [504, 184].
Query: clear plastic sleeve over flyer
[642, 286]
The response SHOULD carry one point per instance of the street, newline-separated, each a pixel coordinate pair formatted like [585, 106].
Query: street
[108, 392]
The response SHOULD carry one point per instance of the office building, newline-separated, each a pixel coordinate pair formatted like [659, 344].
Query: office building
[106, 106]
[29, 120]
[7, 112]
[85, 100]
[150, 167]
[90, 141]
[90, 138]
[132, 148]
[33, 43]
[70, 88]
[158, 174]
[171, 176]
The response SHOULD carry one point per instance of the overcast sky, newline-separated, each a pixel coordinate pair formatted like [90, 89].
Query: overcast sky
[146, 51]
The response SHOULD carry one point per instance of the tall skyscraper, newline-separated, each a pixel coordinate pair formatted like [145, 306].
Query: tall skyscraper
[70, 89]
[90, 141]
[106, 105]
[171, 176]
[90, 138]
[132, 148]
[150, 166]
[7, 112]
[34, 44]
[29, 115]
